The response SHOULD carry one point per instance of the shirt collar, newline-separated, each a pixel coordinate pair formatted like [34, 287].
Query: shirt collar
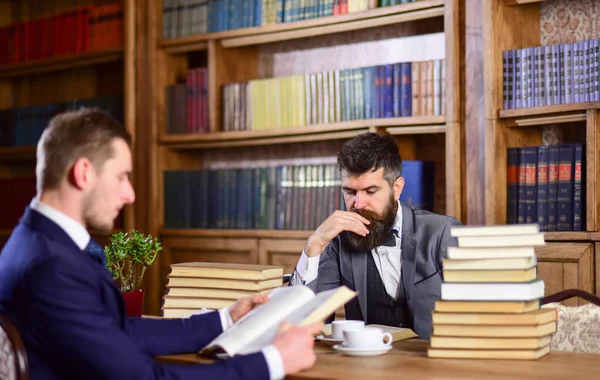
[73, 229]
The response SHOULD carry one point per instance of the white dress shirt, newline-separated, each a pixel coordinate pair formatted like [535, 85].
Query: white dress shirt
[81, 237]
[387, 260]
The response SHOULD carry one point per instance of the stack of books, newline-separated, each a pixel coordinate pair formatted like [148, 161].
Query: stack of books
[198, 285]
[490, 306]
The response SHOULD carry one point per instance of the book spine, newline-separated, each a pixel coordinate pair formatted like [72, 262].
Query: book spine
[531, 184]
[578, 189]
[406, 90]
[542, 188]
[518, 74]
[505, 79]
[521, 188]
[565, 188]
[511, 182]
[552, 186]
[577, 71]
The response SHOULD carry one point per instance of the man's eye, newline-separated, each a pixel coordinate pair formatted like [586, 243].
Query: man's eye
[350, 192]
[371, 192]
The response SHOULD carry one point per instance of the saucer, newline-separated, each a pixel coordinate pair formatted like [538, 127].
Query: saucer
[361, 351]
[325, 339]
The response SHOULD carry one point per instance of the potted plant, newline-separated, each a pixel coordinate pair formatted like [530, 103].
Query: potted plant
[128, 255]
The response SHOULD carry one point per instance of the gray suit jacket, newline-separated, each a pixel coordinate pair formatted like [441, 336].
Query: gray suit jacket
[425, 236]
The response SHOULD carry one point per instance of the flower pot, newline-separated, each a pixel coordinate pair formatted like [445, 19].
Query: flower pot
[134, 303]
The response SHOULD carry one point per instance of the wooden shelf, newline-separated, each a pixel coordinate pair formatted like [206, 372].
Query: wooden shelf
[568, 236]
[5, 232]
[60, 63]
[343, 130]
[17, 153]
[309, 28]
[561, 113]
[199, 233]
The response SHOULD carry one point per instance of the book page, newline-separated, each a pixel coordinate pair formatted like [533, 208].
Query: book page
[257, 328]
[321, 306]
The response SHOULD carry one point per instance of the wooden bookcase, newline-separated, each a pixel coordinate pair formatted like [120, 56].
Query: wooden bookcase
[568, 259]
[64, 78]
[234, 56]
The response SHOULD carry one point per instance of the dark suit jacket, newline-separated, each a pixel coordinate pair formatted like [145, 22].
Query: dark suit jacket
[71, 317]
[425, 236]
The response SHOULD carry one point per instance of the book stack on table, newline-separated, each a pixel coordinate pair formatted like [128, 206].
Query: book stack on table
[490, 299]
[196, 285]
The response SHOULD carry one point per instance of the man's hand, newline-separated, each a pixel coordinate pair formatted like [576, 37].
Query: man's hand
[243, 306]
[337, 222]
[295, 345]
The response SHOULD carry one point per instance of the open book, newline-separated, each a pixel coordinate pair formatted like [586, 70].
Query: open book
[298, 305]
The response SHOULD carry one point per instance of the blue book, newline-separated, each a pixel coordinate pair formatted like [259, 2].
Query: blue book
[419, 184]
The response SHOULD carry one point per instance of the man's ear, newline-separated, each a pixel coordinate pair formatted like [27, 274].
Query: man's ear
[398, 186]
[82, 173]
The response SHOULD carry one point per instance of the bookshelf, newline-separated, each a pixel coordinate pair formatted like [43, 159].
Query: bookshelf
[60, 72]
[568, 259]
[246, 54]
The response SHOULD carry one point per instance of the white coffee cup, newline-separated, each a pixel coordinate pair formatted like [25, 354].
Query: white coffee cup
[338, 327]
[368, 337]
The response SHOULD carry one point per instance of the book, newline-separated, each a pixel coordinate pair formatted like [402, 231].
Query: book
[486, 306]
[491, 275]
[191, 282]
[462, 253]
[502, 241]
[195, 303]
[398, 333]
[226, 270]
[498, 230]
[231, 294]
[534, 317]
[488, 354]
[456, 291]
[489, 264]
[178, 313]
[496, 331]
[489, 343]
[298, 305]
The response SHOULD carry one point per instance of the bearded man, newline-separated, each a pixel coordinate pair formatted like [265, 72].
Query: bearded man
[388, 252]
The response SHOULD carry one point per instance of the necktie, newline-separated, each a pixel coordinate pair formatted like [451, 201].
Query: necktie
[95, 250]
[390, 241]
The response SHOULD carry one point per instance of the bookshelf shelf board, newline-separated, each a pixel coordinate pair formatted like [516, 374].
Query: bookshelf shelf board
[347, 129]
[17, 153]
[5, 232]
[197, 233]
[545, 111]
[60, 63]
[567, 236]
[308, 28]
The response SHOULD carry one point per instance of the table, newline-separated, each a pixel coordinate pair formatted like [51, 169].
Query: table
[408, 359]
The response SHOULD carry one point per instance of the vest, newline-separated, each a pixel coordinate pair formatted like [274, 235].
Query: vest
[381, 308]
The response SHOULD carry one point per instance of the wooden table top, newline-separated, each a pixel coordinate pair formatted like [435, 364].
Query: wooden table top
[408, 359]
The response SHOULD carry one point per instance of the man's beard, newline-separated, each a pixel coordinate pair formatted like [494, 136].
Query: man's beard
[379, 229]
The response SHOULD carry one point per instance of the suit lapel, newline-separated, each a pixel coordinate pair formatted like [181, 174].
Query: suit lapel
[409, 256]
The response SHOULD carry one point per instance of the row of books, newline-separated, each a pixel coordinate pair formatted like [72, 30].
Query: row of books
[553, 74]
[384, 91]
[287, 197]
[545, 185]
[24, 126]
[490, 297]
[196, 285]
[187, 104]
[189, 17]
[87, 28]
